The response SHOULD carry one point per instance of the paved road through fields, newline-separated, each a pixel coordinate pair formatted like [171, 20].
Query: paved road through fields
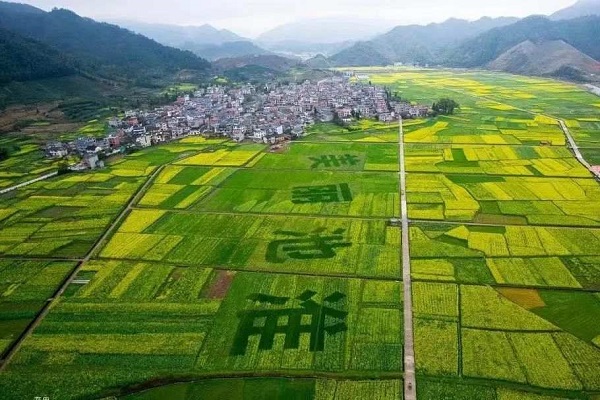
[20, 185]
[410, 384]
[575, 149]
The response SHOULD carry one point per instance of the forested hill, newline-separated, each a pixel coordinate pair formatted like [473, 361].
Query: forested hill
[106, 49]
[25, 59]
[581, 33]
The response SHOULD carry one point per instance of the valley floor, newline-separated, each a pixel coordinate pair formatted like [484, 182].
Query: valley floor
[207, 269]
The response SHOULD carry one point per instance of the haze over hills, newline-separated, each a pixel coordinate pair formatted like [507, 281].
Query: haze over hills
[327, 36]
[273, 62]
[582, 8]
[205, 41]
[326, 30]
[306, 50]
[415, 43]
[224, 50]
[175, 35]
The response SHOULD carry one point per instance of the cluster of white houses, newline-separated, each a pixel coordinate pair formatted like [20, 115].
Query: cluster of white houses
[261, 114]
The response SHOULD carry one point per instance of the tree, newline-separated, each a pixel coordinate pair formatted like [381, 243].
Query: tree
[4, 153]
[337, 120]
[63, 167]
[445, 106]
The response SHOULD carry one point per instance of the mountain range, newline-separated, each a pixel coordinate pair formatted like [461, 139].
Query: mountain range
[98, 48]
[326, 30]
[548, 58]
[415, 43]
[175, 36]
[38, 45]
[581, 33]
[564, 44]
[583, 8]
[205, 41]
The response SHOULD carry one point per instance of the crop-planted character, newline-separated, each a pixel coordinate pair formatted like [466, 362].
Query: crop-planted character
[334, 161]
[321, 194]
[305, 246]
[317, 320]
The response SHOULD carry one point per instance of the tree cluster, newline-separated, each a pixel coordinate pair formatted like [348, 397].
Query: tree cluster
[445, 106]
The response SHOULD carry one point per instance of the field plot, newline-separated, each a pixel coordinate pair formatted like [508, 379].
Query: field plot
[64, 216]
[242, 263]
[225, 156]
[436, 388]
[504, 199]
[367, 131]
[460, 241]
[334, 157]
[136, 321]
[26, 162]
[180, 187]
[512, 255]
[276, 389]
[270, 191]
[513, 97]
[160, 155]
[307, 192]
[541, 338]
[25, 286]
[497, 127]
[549, 161]
[322, 246]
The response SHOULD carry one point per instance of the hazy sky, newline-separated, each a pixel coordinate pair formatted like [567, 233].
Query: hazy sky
[252, 17]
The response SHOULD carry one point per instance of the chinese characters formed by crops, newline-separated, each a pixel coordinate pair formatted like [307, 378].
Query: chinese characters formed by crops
[312, 318]
[321, 194]
[306, 246]
[334, 161]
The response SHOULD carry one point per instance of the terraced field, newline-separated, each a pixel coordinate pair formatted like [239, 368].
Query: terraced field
[230, 271]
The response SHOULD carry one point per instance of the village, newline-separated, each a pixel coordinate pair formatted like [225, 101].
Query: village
[266, 114]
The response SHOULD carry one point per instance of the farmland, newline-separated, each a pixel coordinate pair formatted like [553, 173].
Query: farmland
[26, 161]
[504, 239]
[192, 321]
[239, 271]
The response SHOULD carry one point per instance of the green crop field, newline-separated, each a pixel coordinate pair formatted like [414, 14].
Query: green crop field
[505, 239]
[26, 161]
[236, 271]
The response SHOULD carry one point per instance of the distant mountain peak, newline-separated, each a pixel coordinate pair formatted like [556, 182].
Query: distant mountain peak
[176, 35]
[214, 52]
[416, 43]
[326, 30]
[545, 57]
[19, 8]
[583, 8]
